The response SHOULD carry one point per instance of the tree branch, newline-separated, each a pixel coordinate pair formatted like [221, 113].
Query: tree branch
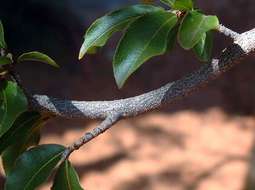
[243, 45]
[113, 111]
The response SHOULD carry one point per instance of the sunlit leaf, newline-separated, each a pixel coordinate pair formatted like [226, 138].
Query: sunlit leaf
[66, 178]
[37, 56]
[103, 28]
[33, 167]
[146, 37]
[203, 49]
[192, 28]
[2, 40]
[12, 103]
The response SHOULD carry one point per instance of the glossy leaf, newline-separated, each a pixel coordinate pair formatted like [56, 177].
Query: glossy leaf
[103, 28]
[37, 56]
[194, 26]
[12, 103]
[181, 5]
[203, 49]
[11, 154]
[146, 37]
[5, 60]
[2, 40]
[20, 128]
[33, 167]
[66, 178]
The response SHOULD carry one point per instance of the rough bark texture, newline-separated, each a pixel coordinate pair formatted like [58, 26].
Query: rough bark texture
[244, 44]
[113, 111]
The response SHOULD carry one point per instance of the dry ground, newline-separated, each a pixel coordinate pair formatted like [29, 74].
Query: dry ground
[162, 151]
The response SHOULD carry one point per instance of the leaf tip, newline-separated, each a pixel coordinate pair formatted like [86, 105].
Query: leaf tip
[82, 52]
[119, 82]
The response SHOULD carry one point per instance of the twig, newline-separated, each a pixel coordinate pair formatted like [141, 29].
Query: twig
[228, 32]
[103, 126]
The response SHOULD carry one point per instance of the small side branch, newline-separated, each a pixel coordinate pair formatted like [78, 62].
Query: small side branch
[103, 126]
[228, 32]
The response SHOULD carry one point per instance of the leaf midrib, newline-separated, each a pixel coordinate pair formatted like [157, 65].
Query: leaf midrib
[40, 169]
[148, 43]
[20, 126]
[196, 31]
[112, 27]
[66, 175]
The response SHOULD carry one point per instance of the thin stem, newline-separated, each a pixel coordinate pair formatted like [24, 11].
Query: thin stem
[101, 128]
[228, 32]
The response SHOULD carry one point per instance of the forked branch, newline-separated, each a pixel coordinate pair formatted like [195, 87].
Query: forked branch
[243, 45]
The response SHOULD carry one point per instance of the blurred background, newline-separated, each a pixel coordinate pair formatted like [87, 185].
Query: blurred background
[205, 141]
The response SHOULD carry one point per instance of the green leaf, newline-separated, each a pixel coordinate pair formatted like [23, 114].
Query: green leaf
[193, 26]
[66, 178]
[103, 28]
[21, 128]
[146, 37]
[12, 103]
[203, 49]
[181, 5]
[33, 167]
[5, 60]
[37, 56]
[172, 36]
[2, 41]
[11, 154]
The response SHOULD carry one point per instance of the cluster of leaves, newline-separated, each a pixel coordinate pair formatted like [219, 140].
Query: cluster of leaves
[27, 164]
[151, 31]
[148, 31]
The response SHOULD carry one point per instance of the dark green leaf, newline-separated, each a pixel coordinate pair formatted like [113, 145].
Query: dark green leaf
[146, 37]
[11, 154]
[203, 49]
[37, 56]
[5, 60]
[181, 5]
[66, 178]
[12, 103]
[172, 36]
[192, 28]
[2, 41]
[20, 128]
[103, 28]
[33, 167]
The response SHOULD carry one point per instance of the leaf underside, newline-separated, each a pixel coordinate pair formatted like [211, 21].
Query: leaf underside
[38, 57]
